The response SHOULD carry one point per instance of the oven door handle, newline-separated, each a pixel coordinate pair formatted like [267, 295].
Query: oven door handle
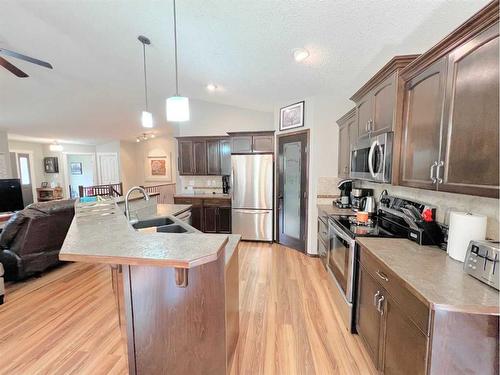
[370, 158]
[337, 231]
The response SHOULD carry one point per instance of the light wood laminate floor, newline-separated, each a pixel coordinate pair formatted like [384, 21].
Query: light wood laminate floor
[66, 321]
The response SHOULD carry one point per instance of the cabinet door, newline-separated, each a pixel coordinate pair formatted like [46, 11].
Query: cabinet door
[423, 108]
[210, 219]
[263, 143]
[197, 217]
[353, 132]
[368, 318]
[471, 131]
[404, 345]
[213, 157]
[186, 162]
[384, 98]
[344, 149]
[241, 145]
[200, 157]
[364, 114]
[225, 156]
[224, 220]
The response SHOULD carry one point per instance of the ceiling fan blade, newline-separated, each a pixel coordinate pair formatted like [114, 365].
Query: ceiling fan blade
[11, 68]
[25, 58]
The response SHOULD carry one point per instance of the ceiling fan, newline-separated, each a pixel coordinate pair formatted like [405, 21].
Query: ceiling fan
[14, 69]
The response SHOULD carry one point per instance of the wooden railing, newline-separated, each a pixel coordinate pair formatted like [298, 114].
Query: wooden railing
[166, 192]
[113, 190]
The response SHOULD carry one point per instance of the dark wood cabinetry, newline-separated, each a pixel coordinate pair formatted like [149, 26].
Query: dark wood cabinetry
[394, 342]
[451, 105]
[209, 215]
[252, 142]
[347, 137]
[203, 156]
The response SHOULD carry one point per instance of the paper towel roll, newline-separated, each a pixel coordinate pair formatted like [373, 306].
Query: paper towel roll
[464, 227]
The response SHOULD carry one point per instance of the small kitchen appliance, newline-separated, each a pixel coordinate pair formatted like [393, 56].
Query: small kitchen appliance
[371, 158]
[356, 196]
[482, 262]
[369, 205]
[345, 187]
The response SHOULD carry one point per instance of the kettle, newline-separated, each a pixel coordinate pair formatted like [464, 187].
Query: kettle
[368, 204]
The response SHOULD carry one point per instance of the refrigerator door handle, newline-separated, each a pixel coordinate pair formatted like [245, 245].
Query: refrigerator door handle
[253, 212]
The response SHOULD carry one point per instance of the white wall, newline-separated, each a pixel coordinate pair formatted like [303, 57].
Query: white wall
[159, 146]
[218, 119]
[129, 166]
[4, 148]
[87, 177]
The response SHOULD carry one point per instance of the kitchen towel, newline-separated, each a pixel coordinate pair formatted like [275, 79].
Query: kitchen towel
[464, 227]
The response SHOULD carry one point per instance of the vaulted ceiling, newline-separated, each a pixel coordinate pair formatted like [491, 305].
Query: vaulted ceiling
[245, 46]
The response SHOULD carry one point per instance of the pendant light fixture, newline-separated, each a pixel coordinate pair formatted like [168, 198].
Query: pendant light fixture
[177, 106]
[56, 147]
[147, 117]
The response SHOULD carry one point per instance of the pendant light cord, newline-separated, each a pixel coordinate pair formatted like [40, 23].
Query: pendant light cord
[175, 49]
[145, 75]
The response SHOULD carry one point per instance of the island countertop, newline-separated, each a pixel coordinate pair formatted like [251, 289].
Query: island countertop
[106, 236]
[433, 276]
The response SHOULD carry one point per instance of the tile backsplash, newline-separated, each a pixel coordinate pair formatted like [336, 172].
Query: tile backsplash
[206, 184]
[445, 203]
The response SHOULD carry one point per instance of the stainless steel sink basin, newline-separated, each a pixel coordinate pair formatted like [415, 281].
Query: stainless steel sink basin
[173, 228]
[157, 222]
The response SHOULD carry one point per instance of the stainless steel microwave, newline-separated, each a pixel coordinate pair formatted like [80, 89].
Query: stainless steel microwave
[371, 158]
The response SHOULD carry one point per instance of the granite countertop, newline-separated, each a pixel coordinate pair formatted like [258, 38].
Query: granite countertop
[204, 196]
[110, 238]
[330, 209]
[433, 276]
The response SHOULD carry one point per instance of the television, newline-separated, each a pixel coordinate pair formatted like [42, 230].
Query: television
[11, 196]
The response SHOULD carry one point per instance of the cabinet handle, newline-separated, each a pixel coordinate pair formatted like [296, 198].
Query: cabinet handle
[375, 298]
[434, 165]
[370, 125]
[380, 306]
[382, 276]
[439, 180]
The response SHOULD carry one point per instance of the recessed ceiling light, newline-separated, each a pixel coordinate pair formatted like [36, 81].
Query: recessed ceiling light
[300, 54]
[211, 87]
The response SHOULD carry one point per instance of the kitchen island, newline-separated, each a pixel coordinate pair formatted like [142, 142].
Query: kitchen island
[177, 293]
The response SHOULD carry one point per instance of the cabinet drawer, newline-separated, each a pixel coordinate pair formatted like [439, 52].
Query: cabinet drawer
[192, 201]
[216, 202]
[416, 310]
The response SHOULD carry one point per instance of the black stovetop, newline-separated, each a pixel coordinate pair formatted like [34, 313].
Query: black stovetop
[381, 227]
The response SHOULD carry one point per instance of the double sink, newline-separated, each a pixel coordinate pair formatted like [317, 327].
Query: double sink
[162, 225]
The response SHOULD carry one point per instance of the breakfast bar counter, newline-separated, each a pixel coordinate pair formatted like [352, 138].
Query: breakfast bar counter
[176, 289]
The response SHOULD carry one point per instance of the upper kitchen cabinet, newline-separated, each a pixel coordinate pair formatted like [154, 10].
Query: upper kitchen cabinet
[451, 104]
[423, 110]
[347, 135]
[252, 142]
[378, 101]
[203, 156]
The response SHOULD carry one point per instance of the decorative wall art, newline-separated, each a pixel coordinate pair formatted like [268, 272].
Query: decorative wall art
[292, 116]
[158, 168]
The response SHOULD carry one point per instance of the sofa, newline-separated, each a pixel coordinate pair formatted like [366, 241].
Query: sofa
[2, 286]
[32, 238]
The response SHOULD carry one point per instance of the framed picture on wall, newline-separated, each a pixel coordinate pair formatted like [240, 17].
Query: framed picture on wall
[76, 168]
[292, 116]
[50, 164]
[158, 168]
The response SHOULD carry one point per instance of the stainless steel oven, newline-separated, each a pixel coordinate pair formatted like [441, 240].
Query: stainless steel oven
[371, 158]
[341, 265]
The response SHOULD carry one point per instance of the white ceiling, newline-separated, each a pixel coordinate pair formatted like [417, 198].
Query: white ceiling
[95, 91]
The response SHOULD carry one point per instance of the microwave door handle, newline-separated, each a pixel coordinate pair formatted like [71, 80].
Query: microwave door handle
[370, 158]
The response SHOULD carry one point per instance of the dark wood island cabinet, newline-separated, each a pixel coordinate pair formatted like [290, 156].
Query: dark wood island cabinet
[211, 213]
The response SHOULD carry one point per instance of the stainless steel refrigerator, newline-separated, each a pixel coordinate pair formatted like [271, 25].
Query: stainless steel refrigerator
[252, 196]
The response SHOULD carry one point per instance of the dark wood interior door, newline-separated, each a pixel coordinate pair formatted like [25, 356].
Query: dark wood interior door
[292, 190]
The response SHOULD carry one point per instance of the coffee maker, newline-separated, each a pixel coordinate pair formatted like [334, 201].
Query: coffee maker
[344, 201]
[225, 184]
[357, 196]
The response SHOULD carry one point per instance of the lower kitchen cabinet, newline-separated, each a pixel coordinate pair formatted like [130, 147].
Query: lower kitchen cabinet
[395, 344]
[209, 215]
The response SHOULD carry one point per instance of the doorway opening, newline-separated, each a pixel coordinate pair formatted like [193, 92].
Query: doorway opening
[22, 168]
[80, 171]
[292, 197]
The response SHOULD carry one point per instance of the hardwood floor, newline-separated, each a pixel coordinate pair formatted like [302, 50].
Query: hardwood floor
[66, 321]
